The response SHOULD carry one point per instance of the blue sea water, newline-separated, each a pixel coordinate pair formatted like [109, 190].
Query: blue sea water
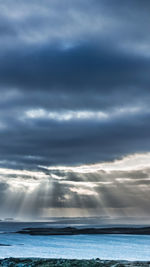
[123, 247]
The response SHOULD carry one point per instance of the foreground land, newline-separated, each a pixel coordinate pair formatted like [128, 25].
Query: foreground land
[67, 263]
[78, 231]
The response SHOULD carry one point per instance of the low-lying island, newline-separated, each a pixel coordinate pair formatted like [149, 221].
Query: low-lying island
[79, 231]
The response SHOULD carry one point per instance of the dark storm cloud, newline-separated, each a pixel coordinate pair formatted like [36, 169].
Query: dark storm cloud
[85, 67]
[47, 142]
[6, 30]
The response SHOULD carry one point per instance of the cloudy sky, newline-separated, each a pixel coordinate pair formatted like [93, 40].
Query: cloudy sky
[74, 108]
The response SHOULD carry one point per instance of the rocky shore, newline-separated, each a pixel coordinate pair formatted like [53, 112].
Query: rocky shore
[31, 262]
[77, 231]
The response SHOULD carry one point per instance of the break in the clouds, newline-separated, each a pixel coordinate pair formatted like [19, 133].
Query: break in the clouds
[74, 92]
[112, 189]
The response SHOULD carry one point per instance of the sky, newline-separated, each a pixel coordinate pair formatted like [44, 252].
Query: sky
[74, 108]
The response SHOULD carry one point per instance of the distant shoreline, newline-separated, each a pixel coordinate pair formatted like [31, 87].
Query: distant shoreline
[41, 262]
[78, 231]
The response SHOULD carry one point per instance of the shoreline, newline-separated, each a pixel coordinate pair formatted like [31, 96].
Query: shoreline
[52, 262]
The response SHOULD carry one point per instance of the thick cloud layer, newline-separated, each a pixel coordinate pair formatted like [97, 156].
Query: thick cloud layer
[74, 89]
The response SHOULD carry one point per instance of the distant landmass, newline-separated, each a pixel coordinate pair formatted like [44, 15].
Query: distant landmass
[4, 245]
[9, 219]
[78, 231]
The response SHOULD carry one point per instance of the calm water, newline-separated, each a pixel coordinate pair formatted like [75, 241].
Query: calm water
[81, 246]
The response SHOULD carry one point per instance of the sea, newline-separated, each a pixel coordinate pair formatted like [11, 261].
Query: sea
[117, 247]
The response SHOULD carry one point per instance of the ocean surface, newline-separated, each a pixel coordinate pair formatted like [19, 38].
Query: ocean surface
[123, 247]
